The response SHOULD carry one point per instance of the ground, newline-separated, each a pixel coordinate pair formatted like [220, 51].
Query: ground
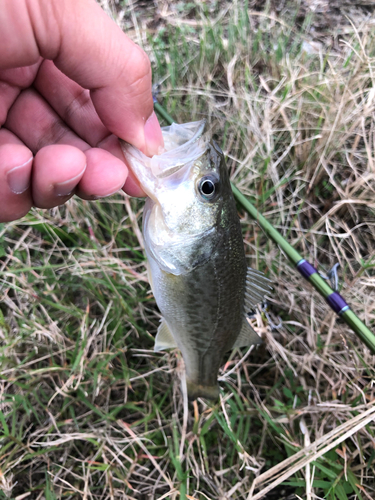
[87, 409]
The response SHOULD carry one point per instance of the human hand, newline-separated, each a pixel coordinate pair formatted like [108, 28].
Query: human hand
[70, 82]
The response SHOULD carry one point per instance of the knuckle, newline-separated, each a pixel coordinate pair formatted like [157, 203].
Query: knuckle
[51, 134]
[81, 101]
[137, 73]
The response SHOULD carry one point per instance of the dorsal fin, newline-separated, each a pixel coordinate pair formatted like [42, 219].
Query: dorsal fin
[257, 286]
[164, 338]
[247, 336]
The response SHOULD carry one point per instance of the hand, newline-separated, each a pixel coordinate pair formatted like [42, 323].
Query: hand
[70, 82]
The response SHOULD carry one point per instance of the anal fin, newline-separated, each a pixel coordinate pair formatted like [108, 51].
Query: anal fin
[247, 336]
[164, 338]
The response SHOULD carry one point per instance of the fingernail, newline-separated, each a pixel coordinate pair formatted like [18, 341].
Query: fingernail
[66, 188]
[153, 136]
[18, 178]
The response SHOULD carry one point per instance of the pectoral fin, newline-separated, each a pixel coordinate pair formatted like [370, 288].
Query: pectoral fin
[257, 286]
[247, 336]
[164, 338]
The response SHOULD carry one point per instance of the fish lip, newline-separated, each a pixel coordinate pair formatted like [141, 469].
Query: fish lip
[166, 164]
[201, 125]
[172, 170]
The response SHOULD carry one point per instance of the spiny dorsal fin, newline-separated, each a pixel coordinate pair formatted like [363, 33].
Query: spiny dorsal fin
[164, 338]
[247, 336]
[257, 286]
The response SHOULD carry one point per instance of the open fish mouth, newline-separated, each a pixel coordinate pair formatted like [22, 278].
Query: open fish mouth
[183, 144]
[186, 141]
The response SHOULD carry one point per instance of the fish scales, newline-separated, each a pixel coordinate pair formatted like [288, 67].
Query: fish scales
[195, 252]
[204, 309]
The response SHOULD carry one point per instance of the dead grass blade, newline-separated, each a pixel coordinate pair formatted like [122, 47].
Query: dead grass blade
[308, 454]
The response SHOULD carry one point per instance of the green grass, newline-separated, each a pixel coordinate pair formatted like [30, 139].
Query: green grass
[87, 409]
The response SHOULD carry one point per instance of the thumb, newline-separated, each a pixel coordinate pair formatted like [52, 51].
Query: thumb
[92, 50]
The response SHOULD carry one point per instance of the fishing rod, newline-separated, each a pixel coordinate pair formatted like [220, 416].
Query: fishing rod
[336, 302]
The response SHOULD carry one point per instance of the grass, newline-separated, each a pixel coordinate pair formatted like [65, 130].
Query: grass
[87, 409]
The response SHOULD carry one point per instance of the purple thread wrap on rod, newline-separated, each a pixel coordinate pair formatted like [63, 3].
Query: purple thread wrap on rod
[337, 303]
[305, 268]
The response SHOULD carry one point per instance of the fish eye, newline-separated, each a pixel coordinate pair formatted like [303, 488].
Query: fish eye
[208, 187]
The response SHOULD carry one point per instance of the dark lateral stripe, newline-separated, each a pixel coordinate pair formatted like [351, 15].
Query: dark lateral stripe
[305, 268]
[337, 303]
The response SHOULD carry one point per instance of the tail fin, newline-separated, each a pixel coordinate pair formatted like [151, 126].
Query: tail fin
[202, 391]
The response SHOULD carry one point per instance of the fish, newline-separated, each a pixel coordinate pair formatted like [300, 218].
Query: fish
[195, 253]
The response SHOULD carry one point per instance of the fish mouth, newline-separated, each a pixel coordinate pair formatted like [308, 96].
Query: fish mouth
[187, 141]
[180, 141]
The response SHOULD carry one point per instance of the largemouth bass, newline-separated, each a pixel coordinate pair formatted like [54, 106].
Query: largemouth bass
[196, 260]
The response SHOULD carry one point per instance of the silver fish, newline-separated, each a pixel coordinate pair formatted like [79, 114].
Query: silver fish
[196, 259]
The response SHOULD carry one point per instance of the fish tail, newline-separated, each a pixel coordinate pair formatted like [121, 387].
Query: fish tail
[202, 391]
